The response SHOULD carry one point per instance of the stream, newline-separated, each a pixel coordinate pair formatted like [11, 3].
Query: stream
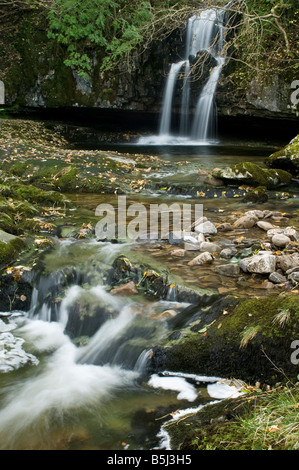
[74, 370]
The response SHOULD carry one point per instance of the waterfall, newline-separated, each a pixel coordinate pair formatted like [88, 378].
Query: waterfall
[204, 33]
[168, 96]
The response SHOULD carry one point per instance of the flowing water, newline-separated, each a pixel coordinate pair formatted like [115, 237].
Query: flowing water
[64, 387]
[74, 367]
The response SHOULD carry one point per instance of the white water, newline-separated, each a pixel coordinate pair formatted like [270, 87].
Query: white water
[204, 33]
[168, 96]
[62, 386]
[54, 387]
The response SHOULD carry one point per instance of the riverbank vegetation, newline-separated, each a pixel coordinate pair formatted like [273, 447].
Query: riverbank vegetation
[266, 41]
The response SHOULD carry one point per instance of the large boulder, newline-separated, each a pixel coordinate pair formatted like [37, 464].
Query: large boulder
[262, 263]
[253, 175]
[287, 158]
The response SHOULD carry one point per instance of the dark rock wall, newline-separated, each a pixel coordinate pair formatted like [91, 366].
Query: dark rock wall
[34, 75]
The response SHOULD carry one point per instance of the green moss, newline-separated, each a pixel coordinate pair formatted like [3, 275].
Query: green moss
[224, 350]
[67, 182]
[9, 252]
[286, 158]
[39, 196]
[252, 174]
[258, 195]
[8, 225]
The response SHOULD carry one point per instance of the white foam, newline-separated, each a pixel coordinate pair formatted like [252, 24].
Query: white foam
[222, 390]
[186, 391]
[169, 140]
[12, 354]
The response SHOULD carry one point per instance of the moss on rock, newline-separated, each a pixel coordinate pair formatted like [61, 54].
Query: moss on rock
[9, 251]
[287, 158]
[253, 175]
[252, 343]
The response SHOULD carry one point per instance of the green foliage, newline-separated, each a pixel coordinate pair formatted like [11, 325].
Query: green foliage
[116, 26]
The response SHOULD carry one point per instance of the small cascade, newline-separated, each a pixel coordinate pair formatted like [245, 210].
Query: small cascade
[205, 33]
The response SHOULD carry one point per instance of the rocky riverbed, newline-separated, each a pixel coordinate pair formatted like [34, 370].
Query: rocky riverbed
[233, 275]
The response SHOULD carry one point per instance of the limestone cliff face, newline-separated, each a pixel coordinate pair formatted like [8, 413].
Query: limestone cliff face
[34, 75]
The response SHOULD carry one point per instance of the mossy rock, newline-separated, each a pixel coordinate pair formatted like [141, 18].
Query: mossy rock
[287, 158]
[251, 343]
[10, 248]
[39, 196]
[258, 195]
[211, 428]
[7, 224]
[253, 175]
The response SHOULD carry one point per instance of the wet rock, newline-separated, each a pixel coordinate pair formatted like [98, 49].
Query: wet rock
[277, 278]
[288, 231]
[201, 238]
[203, 258]
[288, 261]
[126, 289]
[191, 242]
[287, 158]
[292, 270]
[206, 228]
[266, 285]
[246, 221]
[175, 238]
[280, 240]
[212, 181]
[230, 270]
[256, 213]
[228, 253]
[166, 314]
[16, 287]
[179, 252]
[264, 263]
[263, 225]
[294, 278]
[253, 175]
[190, 238]
[10, 248]
[257, 195]
[210, 247]
[224, 227]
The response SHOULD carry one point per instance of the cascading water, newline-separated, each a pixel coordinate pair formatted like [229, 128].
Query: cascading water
[82, 391]
[205, 33]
